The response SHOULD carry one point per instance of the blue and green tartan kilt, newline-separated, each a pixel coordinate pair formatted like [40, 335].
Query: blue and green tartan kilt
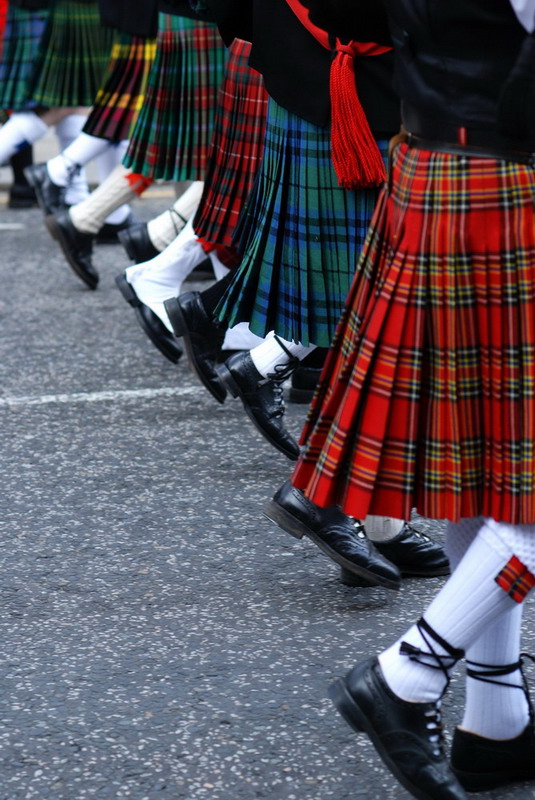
[300, 234]
[73, 56]
[172, 135]
[23, 33]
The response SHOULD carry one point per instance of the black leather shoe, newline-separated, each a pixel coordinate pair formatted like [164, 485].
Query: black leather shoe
[77, 246]
[136, 241]
[21, 196]
[407, 736]
[109, 233]
[303, 384]
[202, 339]
[150, 323]
[415, 554]
[262, 399]
[336, 534]
[50, 196]
[482, 764]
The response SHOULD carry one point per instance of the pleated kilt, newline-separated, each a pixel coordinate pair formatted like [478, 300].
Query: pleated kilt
[22, 35]
[172, 135]
[73, 56]
[236, 149]
[120, 98]
[427, 399]
[300, 235]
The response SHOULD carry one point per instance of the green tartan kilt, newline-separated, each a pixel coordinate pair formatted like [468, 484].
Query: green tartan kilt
[73, 56]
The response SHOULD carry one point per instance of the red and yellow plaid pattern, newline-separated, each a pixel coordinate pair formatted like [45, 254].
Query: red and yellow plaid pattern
[516, 580]
[236, 149]
[427, 398]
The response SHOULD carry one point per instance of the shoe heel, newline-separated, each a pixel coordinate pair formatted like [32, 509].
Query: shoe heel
[175, 316]
[345, 705]
[226, 377]
[283, 519]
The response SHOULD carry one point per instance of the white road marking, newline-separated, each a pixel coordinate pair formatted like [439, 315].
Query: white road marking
[97, 397]
[12, 226]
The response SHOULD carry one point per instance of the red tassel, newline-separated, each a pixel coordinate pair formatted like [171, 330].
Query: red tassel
[138, 183]
[356, 157]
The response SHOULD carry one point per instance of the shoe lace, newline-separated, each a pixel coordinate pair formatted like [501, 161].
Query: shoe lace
[435, 728]
[417, 533]
[280, 373]
[487, 672]
[177, 220]
[359, 528]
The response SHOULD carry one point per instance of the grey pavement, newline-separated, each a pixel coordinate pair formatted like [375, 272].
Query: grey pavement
[159, 638]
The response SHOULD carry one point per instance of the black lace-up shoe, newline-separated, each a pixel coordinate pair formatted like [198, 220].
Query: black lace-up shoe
[407, 736]
[336, 534]
[482, 764]
[415, 554]
[303, 385]
[137, 243]
[109, 233]
[50, 196]
[262, 399]
[149, 322]
[202, 339]
[77, 247]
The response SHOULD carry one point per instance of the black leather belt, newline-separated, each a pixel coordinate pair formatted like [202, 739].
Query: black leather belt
[443, 137]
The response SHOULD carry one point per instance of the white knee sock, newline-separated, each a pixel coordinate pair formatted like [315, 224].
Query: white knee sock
[270, 354]
[165, 228]
[161, 278]
[21, 129]
[90, 215]
[496, 711]
[240, 338]
[463, 610]
[382, 529]
[79, 152]
[107, 161]
[67, 131]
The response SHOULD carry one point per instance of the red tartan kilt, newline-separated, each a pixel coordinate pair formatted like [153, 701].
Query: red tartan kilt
[236, 148]
[427, 399]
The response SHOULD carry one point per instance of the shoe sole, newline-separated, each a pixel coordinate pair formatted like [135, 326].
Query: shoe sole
[228, 380]
[410, 572]
[349, 709]
[127, 291]
[57, 233]
[298, 529]
[484, 782]
[180, 329]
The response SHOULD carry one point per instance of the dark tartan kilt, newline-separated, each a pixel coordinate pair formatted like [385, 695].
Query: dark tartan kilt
[119, 100]
[236, 149]
[427, 399]
[73, 56]
[172, 135]
[300, 234]
[23, 33]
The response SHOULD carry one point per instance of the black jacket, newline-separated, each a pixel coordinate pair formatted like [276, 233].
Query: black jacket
[460, 63]
[180, 8]
[296, 67]
[117, 14]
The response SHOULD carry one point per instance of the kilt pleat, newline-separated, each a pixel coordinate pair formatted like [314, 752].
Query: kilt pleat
[73, 56]
[236, 148]
[427, 398]
[172, 135]
[22, 35]
[120, 98]
[300, 234]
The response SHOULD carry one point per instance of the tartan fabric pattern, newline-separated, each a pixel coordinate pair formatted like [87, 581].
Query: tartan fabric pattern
[236, 148]
[3, 20]
[23, 33]
[73, 56]
[172, 135]
[516, 580]
[427, 398]
[120, 98]
[300, 234]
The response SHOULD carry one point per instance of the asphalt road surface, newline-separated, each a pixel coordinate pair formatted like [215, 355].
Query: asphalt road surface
[160, 639]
